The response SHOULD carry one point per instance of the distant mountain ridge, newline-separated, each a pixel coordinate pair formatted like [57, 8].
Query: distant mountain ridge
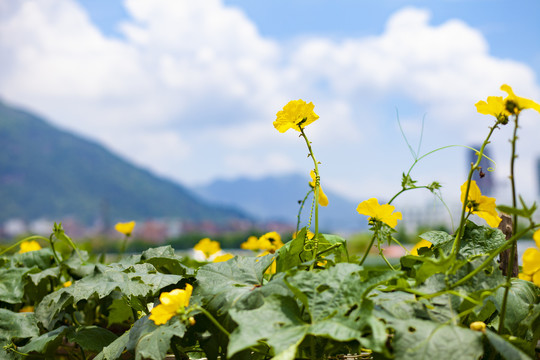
[49, 173]
[276, 198]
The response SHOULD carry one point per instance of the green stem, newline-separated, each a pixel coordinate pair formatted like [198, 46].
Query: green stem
[316, 189]
[328, 249]
[300, 210]
[368, 249]
[474, 167]
[510, 268]
[492, 256]
[213, 320]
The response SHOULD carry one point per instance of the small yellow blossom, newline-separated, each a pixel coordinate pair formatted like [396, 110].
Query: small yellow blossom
[495, 106]
[323, 200]
[480, 205]
[502, 108]
[222, 258]
[422, 243]
[515, 103]
[478, 326]
[270, 241]
[378, 212]
[171, 303]
[207, 247]
[192, 321]
[295, 115]
[125, 228]
[28, 246]
[67, 283]
[252, 243]
[27, 308]
[531, 262]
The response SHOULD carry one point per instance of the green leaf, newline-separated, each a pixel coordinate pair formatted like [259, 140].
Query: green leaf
[237, 281]
[43, 259]
[335, 290]
[45, 343]
[437, 237]
[416, 339]
[119, 312]
[292, 254]
[51, 273]
[504, 348]
[150, 341]
[277, 322]
[12, 284]
[17, 325]
[166, 261]
[91, 338]
[115, 349]
[520, 303]
[133, 281]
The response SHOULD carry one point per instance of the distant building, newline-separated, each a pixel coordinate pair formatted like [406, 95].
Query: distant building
[484, 178]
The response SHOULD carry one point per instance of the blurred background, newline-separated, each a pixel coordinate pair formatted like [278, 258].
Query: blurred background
[161, 111]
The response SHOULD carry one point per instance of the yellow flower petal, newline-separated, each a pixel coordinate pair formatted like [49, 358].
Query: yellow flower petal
[422, 243]
[296, 114]
[323, 199]
[526, 277]
[125, 228]
[494, 106]
[536, 278]
[28, 246]
[270, 241]
[27, 308]
[536, 237]
[378, 212]
[251, 243]
[67, 283]
[208, 247]
[480, 205]
[224, 257]
[170, 304]
[521, 103]
[531, 261]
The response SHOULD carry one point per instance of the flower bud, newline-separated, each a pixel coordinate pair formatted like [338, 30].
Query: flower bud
[478, 326]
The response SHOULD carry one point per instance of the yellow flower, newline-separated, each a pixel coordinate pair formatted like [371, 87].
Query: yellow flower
[422, 243]
[378, 212]
[27, 308]
[270, 242]
[207, 247]
[295, 115]
[252, 243]
[502, 108]
[495, 106]
[478, 326]
[222, 258]
[531, 262]
[171, 303]
[515, 103]
[125, 228]
[323, 200]
[67, 283]
[28, 246]
[480, 205]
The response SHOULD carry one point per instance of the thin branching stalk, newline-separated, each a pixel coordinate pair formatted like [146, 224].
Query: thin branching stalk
[474, 167]
[510, 268]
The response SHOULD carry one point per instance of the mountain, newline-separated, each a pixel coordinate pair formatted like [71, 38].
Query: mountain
[49, 173]
[276, 198]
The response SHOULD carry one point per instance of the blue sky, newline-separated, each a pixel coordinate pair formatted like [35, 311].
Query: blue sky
[189, 89]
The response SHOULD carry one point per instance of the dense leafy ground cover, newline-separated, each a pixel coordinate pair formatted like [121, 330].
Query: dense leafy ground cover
[303, 298]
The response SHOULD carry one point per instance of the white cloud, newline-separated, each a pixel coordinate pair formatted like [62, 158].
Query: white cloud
[194, 83]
